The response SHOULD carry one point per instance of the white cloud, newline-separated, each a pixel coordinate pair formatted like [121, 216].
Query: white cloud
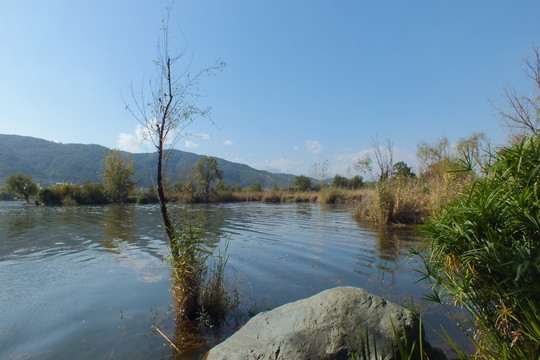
[133, 142]
[295, 147]
[191, 145]
[313, 146]
[127, 142]
[228, 142]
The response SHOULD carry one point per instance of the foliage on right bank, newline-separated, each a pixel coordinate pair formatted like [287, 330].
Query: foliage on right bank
[485, 254]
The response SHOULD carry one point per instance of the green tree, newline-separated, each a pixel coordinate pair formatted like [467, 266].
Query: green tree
[237, 188]
[223, 187]
[401, 169]
[21, 184]
[206, 172]
[255, 187]
[356, 182]
[117, 176]
[340, 181]
[303, 183]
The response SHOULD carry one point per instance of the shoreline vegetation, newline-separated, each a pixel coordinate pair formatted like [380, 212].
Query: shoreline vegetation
[397, 196]
[402, 200]
[395, 202]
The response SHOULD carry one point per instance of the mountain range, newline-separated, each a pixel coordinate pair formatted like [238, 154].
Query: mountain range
[49, 162]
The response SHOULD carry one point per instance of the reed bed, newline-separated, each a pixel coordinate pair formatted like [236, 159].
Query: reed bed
[410, 201]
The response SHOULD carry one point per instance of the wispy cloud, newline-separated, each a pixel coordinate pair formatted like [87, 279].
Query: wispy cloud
[295, 147]
[313, 146]
[202, 136]
[282, 165]
[191, 144]
[228, 142]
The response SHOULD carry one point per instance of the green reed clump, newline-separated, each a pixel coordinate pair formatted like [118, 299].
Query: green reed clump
[403, 200]
[485, 254]
[403, 347]
[198, 273]
[331, 195]
[271, 196]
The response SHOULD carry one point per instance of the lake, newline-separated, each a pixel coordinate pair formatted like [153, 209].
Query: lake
[92, 282]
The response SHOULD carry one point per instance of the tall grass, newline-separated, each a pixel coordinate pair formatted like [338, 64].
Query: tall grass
[403, 348]
[485, 254]
[402, 200]
[198, 273]
[337, 195]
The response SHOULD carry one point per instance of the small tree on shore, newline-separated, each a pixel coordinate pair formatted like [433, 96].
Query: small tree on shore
[340, 181]
[117, 176]
[401, 169]
[356, 182]
[207, 172]
[302, 182]
[21, 184]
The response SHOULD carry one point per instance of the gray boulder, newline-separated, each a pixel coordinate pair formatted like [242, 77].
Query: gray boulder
[328, 325]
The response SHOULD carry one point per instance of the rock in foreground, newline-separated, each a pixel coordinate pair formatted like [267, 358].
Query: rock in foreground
[328, 325]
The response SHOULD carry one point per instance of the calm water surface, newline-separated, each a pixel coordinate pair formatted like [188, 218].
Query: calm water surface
[91, 282]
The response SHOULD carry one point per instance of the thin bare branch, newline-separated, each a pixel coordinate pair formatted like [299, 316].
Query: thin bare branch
[523, 114]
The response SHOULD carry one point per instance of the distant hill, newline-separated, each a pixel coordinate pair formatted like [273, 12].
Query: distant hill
[50, 162]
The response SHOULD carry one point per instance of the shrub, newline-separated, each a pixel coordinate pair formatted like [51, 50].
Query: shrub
[255, 187]
[66, 192]
[331, 195]
[485, 253]
[302, 182]
[198, 273]
[340, 181]
[90, 194]
[271, 197]
[356, 182]
[49, 196]
[146, 196]
[6, 196]
[408, 200]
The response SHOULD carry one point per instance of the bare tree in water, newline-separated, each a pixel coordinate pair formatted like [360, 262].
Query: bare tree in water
[165, 110]
[168, 108]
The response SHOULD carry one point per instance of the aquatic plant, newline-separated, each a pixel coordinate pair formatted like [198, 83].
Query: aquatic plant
[485, 254]
[403, 349]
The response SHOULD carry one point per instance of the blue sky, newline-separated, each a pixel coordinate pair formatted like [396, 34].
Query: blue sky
[305, 81]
